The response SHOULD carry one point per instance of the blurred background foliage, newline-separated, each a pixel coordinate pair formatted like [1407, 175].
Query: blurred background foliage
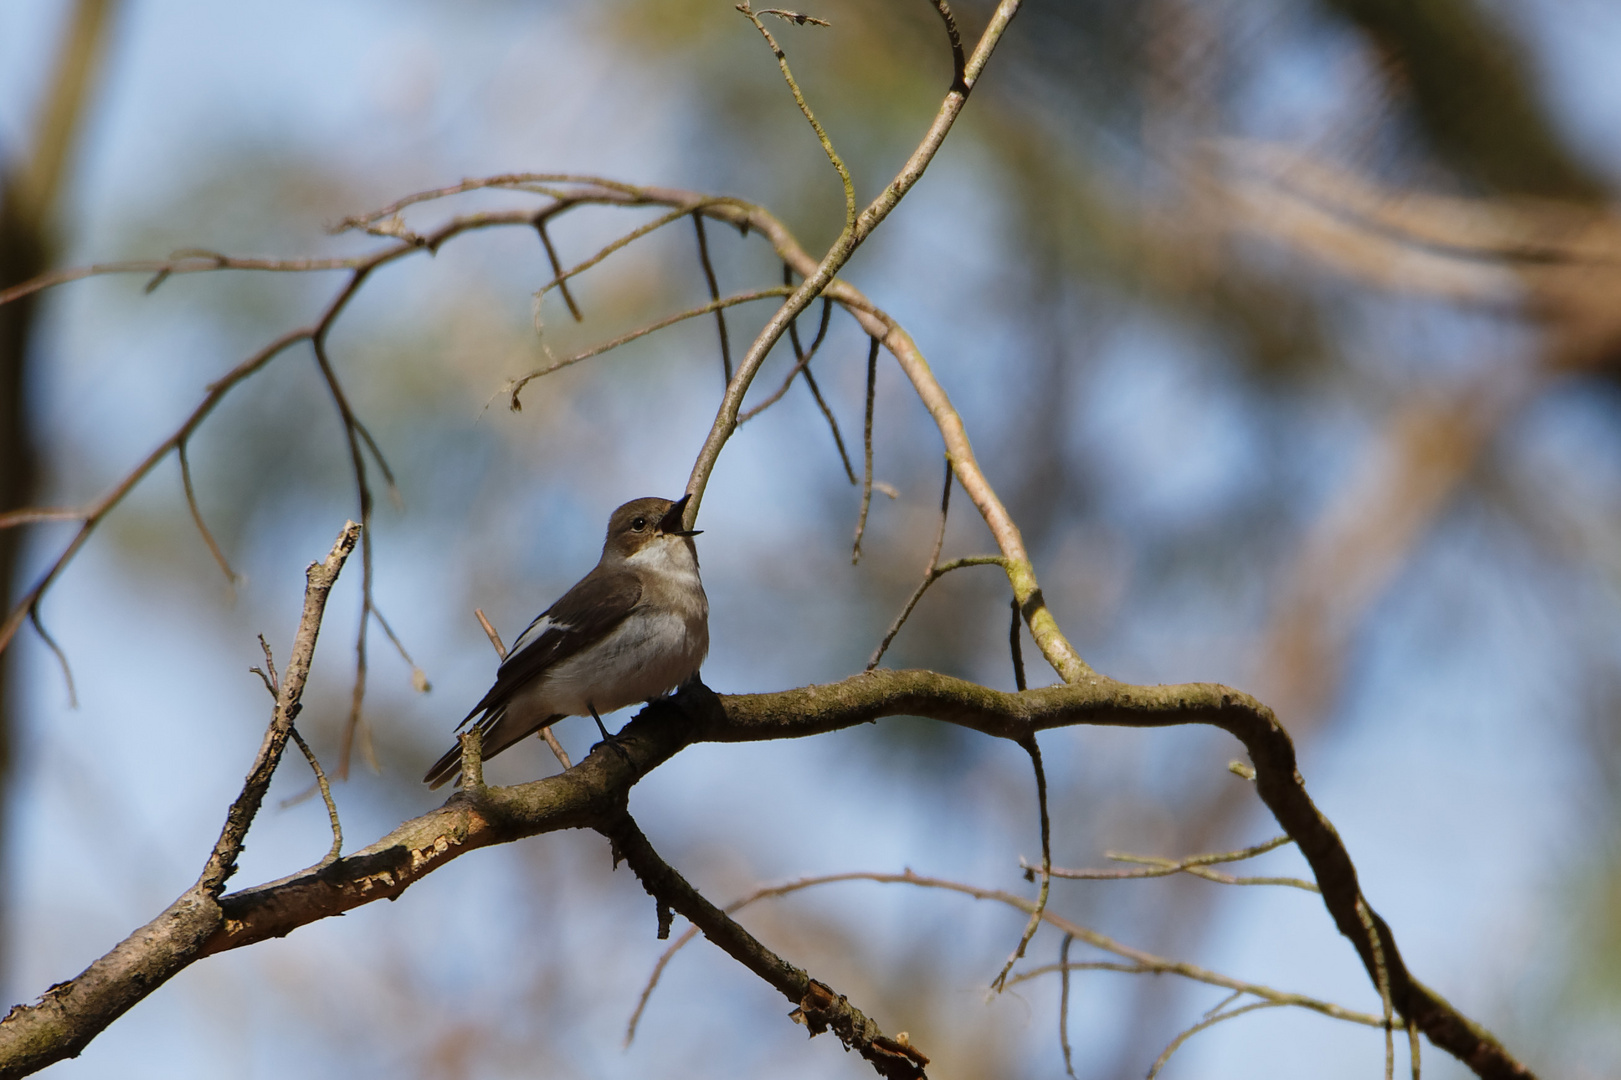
[1286, 330]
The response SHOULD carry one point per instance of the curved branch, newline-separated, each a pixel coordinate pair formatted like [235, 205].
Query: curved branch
[592, 794]
[817, 277]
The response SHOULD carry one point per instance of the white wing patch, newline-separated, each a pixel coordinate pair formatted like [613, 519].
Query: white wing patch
[534, 632]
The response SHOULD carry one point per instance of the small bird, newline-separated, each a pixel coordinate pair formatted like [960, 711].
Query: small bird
[633, 629]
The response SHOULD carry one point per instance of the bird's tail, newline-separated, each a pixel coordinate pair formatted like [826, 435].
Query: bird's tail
[499, 733]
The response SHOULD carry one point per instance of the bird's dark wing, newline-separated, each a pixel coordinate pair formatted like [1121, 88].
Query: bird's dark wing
[585, 615]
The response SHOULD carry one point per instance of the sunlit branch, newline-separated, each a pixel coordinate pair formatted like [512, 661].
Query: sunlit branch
[594, 791]
[515, 388]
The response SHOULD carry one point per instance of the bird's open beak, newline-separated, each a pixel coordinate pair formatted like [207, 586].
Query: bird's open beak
[670, 523]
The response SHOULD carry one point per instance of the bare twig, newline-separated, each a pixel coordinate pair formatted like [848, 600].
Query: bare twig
[810, 117]
[326, 796]
[56, 651]
[503, 180]
[658, 972]
[419, 678]
[1209, 1021]
[94, 514]
[197, 515]
[931, 574]
[1063, 1002]
[491, 633]
[1032, 748]
[821, 275]
[1197, 865]
[289, 700]
[714, 295]
[802, 359]
[939, 572]
[514, 388]
[800, 364]
[1016, 648]
[833, 425]
[602, 253]
[352, 726]
[557, 267]
[29, 515]
[795, 17]
[818, 1007]
[272, 680]
[866, 451]
[1139, 961]
[959, 81]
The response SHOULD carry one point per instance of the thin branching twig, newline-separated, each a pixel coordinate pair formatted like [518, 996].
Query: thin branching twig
[1208, 1021]
[56, 650]
[197, 515]
[557, 266]
[1017, 649]
[833, 425]
[1032, 748]
[515, 388]
[866, 450]
[714, 295]
[795, 17]
[1197, 865]
[1138, 962]
[931, 574]
[326, 795]
[1063, 1002]
[959, 81]
[803, 358]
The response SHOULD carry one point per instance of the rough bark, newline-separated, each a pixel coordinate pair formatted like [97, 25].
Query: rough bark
[592, 794]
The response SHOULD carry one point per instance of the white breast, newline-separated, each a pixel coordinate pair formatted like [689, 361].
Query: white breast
[660, 646]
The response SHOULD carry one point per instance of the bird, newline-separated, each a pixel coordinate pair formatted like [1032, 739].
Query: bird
[633, 629]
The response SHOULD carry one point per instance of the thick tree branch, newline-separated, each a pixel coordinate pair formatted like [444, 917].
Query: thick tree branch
[592, 794]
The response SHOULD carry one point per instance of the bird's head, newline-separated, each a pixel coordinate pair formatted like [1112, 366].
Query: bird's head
[641, 522]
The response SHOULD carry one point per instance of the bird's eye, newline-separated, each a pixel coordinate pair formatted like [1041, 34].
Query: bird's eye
[638, 524]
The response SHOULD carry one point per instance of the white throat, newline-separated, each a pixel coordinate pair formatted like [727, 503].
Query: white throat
[670, 558]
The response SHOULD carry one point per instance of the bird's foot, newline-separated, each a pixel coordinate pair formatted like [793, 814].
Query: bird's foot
[611, 741]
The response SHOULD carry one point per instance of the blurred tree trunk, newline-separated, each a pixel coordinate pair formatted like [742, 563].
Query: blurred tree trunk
[31, 187]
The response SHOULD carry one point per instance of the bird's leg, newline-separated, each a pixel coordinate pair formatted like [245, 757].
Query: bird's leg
[607, 738]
